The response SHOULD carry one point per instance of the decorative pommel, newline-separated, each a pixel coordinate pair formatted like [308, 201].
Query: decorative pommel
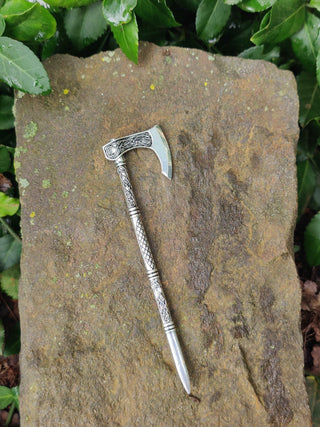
[152, 138]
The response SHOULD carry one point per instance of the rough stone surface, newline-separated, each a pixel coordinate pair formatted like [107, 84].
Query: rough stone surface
[93, 350]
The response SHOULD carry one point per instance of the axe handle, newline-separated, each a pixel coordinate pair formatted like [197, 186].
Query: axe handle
[152, 272]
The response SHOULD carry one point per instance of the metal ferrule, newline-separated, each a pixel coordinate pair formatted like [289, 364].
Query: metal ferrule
[153, 274]
[120, 161]
[134, 211]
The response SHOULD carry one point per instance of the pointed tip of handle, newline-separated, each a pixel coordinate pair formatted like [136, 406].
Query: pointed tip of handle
[179, 359]
[186, 385]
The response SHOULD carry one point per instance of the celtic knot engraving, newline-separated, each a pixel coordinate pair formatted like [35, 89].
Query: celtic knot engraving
[117, 147]
[143, 243]
[161, 301]
[127, 187]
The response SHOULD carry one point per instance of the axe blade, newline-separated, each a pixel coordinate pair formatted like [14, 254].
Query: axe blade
[153, 138]
[161, 148]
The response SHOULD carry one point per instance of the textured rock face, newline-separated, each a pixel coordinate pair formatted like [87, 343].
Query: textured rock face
[93, 349]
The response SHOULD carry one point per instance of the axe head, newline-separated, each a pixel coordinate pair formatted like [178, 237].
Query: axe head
[152, 138]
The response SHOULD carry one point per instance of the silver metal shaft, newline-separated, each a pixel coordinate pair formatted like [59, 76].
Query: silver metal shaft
[152, 273]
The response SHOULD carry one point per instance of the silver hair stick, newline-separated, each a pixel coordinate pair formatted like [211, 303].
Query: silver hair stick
[114, 150]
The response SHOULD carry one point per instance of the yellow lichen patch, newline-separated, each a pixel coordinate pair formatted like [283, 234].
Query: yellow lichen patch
[30, 131]
[66, 91]
[46, 183]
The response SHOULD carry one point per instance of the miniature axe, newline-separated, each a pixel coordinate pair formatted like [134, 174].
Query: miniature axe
[114, 150]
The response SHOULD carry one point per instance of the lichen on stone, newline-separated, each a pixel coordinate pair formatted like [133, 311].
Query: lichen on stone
[30, 130]
[46, 183]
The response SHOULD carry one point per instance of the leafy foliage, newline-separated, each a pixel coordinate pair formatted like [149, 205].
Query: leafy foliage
[9, 280]
[68, 4]
[6, 117]
[211, 18]
[312, 241]
[126, 36]
[313, 388]
[20, 68]
[118, 12]
[306, 42]
[8, 205]
[285, 18]
[155, 12]
[84, 25]
[307, 183]
[9, 396]
[12, 341]
[27, 21]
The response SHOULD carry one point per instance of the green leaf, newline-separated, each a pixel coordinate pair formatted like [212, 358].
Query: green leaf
[5, 159]
[8, 205]
[308, 143]
[28, 21]
[315, 4]
[68, 4]
[49, 47]
[256, 5]
[312, 241]
[16, 394]
[1, 337]
[309, 97]
[118, 12]
[314, 202]
[12, 341]
[155, 12]
[21, 69]
[16, 9]
[318, 68]
[212, 16]
[257, 52]
[6, 114]
[306, 42]
[313, 389]
[10, 281]
[126, 36]
[10, 251]
[2, 25]
[85, 25]
[285, 18]
[232, 2]
[6, 397]
[306, 184]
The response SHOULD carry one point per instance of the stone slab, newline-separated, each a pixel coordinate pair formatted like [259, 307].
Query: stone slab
[93, 350]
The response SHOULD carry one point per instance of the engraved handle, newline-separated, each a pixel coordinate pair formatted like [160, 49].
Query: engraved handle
[144, 246]
[153, 274]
